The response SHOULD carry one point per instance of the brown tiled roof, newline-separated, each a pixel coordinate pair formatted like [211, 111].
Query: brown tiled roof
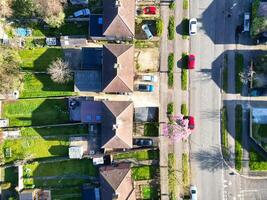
[116, 180]
[118, 79]
[117, 125]
[119, 21]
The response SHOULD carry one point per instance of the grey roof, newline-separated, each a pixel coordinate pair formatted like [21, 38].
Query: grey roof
[262, 10]
[91, 58]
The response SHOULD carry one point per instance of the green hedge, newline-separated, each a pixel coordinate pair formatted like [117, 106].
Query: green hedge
[185, 164]
[170, 108]
[238, 137]
[224, 132]
[256, 161]
[159, 26]
[172, 5]
[184, 109]
[185, 4]
[172, 176]
[184, 79]
[171, 28]
[170, 69]
[239, 64]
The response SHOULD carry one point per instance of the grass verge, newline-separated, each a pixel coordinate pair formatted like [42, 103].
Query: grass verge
[172, 176]
[172, 5]
[184, 79]
[239, 64]
[170, 69]
[159, 26]
[171, 28]
[224, 132]
[184, 110]
[238, 137]
[185, 164]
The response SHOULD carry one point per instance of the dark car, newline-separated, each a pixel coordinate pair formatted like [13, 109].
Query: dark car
[191, 122]
[145, 88]
[143, 142]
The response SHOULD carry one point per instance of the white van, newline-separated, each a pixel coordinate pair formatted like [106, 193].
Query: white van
[149, 78]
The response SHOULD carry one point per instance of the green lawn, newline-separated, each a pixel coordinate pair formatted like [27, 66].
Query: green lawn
[34, 147]
[149, 192]
[144, 172]
[38, 59]
[239, 64]
[151, 129]
[41, 85]
[55, 131]
[238, 138]
[256, 161]
[139, 155]
[36, 112]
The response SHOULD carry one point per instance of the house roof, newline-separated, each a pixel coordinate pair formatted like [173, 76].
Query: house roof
[119, 18]
[118, 68]
[117, 124]
[262, 10]
[116, 181]
[91, 58]
[91, 111]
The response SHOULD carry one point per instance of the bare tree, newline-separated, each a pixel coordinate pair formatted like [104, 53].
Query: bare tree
[5, 8]
[60, 71]
[247, 76]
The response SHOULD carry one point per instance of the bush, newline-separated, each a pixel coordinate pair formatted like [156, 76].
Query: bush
[172, 176]
[159, 27]
[185, 4]
[170, 79]
[256, 161]
[171, 28]
[224, 132]
[239, 63]
[185, 163]
[170, 69]
[184, 110]
[172, 5]
[238, 137]
[170, 108]
[184, 79]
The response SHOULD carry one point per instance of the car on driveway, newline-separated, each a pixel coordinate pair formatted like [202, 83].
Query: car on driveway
[145, 88]
[246, 22]
[147, 31]
[82, 13]
[191, 61]
[149, 78]
[193, 192]
[193, 26]
[191, 122]
[143, 142]
[150, 10]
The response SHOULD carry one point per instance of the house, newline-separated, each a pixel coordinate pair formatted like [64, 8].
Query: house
[116, 182]
[116, 23]
[116, 119]
[109, 69]
[259, 18]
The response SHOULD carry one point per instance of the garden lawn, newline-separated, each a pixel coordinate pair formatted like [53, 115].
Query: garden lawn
[144, 172]
[34, 147]
[149, 192]
[55, 131]
[256, 161]
[41, 85]
[36, 112]
[139, 155]
[151, 129]
[38, 59]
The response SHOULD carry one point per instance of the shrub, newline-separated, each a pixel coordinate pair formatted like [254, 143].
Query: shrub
[239, 63]
[185, 169]
[170, 79]
[238, 137]
[159, 27]
[184, 79]
[170, 108]
[171, 28]
[256, 161]
[172, 5]
[224, 132]
[185, 4]
[184, 110]
[171, 62]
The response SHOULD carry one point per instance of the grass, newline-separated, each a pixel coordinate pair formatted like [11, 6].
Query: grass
[238, 138]
[140, 44]
[139, 155]
[185, 164]
[170, 69]
[172, 176]
[151, 129]
[149, 192]
[185, 4]
[171, 28]
[224, 132]
[239, 64]
[256, 161]
[170, 108]
[38, 59]
[225, 73]
[41, 85]
[66, 193]
[159, 26]
[184, 110]
[144, 172]
[36, 112]
[34, 147]
[184, 79]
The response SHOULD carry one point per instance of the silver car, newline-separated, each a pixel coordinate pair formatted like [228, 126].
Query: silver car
[193, 26]
[193, 192]
[147, 31]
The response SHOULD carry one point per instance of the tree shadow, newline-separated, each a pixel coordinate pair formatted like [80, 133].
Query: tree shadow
[183, 27]
[58, 150]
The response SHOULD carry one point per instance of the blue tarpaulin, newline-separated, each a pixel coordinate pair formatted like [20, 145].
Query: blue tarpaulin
[23, 32]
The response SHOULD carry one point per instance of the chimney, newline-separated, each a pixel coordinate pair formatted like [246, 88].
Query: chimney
[117, 66]
[117, 3]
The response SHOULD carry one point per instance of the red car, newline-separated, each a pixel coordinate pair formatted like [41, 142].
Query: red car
[150, 10]
[191, 122]
[191, 61]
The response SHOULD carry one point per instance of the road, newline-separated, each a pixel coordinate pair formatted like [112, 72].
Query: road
[205, 99]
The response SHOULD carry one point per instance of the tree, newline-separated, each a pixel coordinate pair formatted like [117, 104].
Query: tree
[10, 78]
[52, 11]
[60, 71]
[23, 8]
[5, 8]
[246, 76]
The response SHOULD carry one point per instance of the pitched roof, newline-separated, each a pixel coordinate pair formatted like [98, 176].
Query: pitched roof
[118, 68]
[116, 181]
[119, 20]
[117, 124]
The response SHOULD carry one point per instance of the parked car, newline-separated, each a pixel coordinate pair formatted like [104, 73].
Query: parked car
[193, 26]
[145, 88]
[143, 142]
[150, 10]
[147, 31]
[149, 78]
[82, 13]
[261, 40]
[191, 61]
[191, 122]
[193, 192]
[246, 25]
